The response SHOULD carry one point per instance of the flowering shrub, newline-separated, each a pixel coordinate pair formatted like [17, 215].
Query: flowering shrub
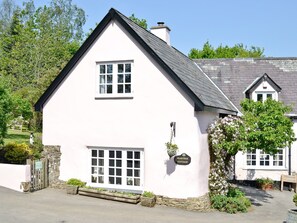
[225, 139]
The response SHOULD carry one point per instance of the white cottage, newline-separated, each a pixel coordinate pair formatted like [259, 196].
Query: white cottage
[115, 104]
[111, 107]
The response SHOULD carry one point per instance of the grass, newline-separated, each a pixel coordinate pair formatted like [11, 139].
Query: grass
[17, 136]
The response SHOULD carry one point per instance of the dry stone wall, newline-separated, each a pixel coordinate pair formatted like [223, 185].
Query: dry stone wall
[53, 155]
[191, 204]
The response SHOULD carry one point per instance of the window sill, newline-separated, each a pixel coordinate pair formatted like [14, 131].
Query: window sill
[114, 96]
[265, 168]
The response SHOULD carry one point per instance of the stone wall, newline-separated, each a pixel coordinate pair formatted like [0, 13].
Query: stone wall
[53, 155]
[192, 204]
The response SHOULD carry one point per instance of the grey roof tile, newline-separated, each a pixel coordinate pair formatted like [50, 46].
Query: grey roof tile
[184, 68]
[233, 76]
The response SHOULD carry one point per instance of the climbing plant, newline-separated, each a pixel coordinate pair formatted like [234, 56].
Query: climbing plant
[225, 139]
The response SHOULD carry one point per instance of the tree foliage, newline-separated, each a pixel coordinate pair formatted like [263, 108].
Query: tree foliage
[140, 22]
[267, 127]
[35, 45]
[238, 50]
[5, 109]
[264, 126]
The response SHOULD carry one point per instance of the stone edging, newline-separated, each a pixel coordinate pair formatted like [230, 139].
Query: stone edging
[192, 204]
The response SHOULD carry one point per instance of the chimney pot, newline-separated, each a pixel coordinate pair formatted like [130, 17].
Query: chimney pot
[162, 31]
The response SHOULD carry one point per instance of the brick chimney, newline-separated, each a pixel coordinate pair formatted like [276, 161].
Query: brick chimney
[162, 31]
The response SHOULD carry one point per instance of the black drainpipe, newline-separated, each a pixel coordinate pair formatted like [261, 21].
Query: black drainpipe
[234, 168]
[290, 160]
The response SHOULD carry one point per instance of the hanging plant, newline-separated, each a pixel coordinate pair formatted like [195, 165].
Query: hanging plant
[171, 147]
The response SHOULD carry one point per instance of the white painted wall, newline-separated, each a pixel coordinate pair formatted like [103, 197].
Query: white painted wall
[74, 119]
[13, 175]
[243, 172]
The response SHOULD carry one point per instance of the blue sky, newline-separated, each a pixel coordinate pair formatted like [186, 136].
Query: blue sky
[271, 24]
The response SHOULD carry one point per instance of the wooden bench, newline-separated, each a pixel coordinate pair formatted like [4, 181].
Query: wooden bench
[289, 179]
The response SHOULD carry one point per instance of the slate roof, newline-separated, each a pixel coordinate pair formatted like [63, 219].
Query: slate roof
[181, 69]
[233, 76]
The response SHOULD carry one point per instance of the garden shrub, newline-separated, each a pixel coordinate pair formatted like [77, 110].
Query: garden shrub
[148, 194]
[76, 182]
[235, 201]
[15, 153]
[295, 199]
[235, 192]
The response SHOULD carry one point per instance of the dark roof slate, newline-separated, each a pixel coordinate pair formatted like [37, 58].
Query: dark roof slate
[233, 76]
[183, 70]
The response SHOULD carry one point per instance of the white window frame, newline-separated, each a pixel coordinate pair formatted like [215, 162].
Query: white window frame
[271, 160]
[124, 175]
[264, 94]
[114, 83]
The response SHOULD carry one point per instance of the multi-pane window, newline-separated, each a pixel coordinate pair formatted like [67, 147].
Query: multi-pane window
[133, 168]
[115, 79]
[116, 168]
[251, 158]
[264, 159]
[124, 78]
[105, 78]
[264, 96]
[97, 160]
[278, 159]
[259, 159]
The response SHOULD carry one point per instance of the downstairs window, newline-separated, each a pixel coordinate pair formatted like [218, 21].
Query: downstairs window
[259, 159]
[117, 168]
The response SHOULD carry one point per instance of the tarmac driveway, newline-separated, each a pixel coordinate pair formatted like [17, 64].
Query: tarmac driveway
[55, 206]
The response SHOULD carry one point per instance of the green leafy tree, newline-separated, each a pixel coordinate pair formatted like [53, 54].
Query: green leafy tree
[140, 22]
[5, 109]
[264, 125]
[36, 46]
[267, 127]
[238, 50]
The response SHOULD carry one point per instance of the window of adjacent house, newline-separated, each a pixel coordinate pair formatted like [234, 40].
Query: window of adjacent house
[251, 158]
[114, 79]
[264, 96]
[116, 168]
[259, 159]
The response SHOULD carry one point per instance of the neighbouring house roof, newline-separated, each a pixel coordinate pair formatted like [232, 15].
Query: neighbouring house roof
[235, 76]
[205, 94]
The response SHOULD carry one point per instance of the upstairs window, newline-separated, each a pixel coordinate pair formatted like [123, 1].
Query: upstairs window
[262, 96]
[114, 79]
